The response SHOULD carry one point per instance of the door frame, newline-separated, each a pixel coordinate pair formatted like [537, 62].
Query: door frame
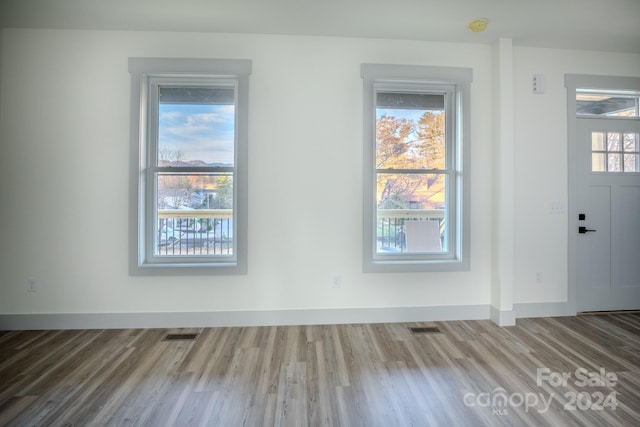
[573, 82]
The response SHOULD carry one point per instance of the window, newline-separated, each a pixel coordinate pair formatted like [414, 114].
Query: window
[189, 156]
[615, 152]
[607, 103]
[611, 152]
[416, 168]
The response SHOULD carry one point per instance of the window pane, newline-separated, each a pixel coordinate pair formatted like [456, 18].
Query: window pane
[196, 126]
[597, 162]
[195, 191]
[607, 149]
[597, 141]
[613, 142]
[410, 131]
[195, 214]
[631, 142]
[603, 103]
[631, 163]
[614, 163]
[404, 199]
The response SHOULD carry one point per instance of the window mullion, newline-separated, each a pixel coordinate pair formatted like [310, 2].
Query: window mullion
[194, 170]
[414, 171]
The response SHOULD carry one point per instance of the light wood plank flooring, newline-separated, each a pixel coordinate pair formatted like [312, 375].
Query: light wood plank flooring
[471, 373]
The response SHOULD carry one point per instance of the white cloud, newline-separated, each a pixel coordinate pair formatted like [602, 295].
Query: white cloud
[201, 132]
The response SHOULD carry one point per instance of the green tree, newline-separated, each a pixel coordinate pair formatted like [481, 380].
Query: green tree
[225, 192]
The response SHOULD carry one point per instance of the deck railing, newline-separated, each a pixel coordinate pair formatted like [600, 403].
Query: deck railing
[390, 228]
[195, 232]
[210, 231]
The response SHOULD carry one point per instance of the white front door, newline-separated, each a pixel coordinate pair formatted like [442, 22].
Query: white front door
[607, 177]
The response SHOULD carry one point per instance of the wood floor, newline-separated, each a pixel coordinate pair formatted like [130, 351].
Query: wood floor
[573, 371]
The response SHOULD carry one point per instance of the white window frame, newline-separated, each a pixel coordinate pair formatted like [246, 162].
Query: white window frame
[454, 82]
[146, 76]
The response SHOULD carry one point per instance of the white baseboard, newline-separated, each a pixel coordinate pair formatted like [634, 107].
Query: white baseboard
[240, 318]
[544, 309]
[503, 317]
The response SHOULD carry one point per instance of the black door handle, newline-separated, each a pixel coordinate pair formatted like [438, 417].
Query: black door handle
[583, 230]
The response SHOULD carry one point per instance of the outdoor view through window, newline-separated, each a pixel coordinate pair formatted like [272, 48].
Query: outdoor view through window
[411, 172]
[195, 171]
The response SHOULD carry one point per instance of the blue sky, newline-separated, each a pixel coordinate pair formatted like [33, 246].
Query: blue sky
[201, 132]
[403, 113]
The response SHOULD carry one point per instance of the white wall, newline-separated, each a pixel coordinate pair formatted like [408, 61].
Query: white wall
[541, 164]
[65, 128]
[64, 165]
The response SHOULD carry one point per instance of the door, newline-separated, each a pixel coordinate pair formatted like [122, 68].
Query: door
[608, 214]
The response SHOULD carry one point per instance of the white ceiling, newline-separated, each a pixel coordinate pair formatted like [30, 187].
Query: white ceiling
[607, 25]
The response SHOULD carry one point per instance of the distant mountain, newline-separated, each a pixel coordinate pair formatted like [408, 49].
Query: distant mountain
[191, 163]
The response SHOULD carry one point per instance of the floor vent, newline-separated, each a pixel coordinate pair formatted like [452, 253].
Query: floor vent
[180, 337]
[430, 330]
